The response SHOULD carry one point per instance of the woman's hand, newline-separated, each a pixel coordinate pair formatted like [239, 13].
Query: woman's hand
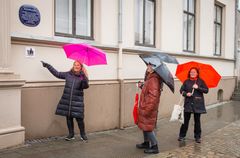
[195, 86]
[140, 84]
[189, 94]
[44, 64]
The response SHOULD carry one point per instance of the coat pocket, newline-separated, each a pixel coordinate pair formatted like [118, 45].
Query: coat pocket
[199, 103]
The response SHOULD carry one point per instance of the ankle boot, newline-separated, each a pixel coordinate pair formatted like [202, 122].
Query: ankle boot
[152, 150]
[70, 137]
[84, 137]
[144, 145]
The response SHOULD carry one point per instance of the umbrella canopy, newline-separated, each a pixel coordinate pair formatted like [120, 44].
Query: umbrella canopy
[158, 58]
[85, 53]
[206, 73]
[160, 68]
[166, 75]
[166, 58]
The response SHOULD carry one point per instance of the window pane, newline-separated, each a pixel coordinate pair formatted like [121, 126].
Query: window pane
[139, 21]
[192, 6]
[185, 32]
[219, 14]
[64, 16]
[185, 4]
[149, 22]
[191, 33]
[238, 5]
[215, 13]
[218, 40]
[83, 17]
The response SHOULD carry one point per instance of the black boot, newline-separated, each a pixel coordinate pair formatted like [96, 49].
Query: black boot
[84, 137]
[181, 139]
[70, 137]
[70, 129]
[144, 145]
[198, 140]
[81, 126]
[152, 150]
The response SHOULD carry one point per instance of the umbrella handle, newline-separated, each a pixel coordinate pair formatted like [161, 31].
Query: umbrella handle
[192, 91]
[193, 88]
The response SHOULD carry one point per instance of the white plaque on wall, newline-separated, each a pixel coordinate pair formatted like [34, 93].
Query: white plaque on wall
[30, 52]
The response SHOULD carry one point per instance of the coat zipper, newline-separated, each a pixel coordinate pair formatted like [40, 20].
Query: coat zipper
[70, 104]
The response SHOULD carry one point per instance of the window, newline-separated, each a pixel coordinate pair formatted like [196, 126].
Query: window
[238, 5]
[218, 30]
[189, 25]
[145, 23]
[74, 18]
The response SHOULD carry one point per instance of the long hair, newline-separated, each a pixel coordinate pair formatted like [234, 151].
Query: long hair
[194, 69]
[83, 69]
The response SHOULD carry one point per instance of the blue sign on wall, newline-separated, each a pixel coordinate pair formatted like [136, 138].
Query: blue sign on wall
[29, 15]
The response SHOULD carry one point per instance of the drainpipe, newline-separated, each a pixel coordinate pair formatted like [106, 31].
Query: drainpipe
[236, 56]
[120, 66]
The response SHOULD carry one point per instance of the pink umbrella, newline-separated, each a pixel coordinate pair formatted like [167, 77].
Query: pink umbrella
[85, 53]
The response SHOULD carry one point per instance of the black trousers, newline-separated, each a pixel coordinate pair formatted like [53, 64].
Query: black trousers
[70, 125]
[197, 125]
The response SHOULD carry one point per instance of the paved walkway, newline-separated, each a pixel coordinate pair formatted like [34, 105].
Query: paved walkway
[224, 143]
[221, 138]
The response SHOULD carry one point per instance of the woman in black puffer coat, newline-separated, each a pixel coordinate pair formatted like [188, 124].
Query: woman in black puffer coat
[193, 89]
[71, 103]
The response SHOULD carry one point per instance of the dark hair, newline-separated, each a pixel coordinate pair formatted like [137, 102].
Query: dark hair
[191, 70]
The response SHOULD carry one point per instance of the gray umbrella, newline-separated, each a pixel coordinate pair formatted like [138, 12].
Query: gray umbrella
[166, 75]
[159, 58]
[160, 68]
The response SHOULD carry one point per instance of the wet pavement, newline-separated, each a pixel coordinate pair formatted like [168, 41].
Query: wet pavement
[220, 132]
[224, 143]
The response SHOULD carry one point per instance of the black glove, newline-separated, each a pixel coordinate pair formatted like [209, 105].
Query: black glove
[44, 64]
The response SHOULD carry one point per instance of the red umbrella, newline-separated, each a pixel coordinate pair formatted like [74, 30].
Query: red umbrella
[135, 109]
[206, 73]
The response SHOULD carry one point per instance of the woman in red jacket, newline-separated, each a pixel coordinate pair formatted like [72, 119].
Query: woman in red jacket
[148, 110]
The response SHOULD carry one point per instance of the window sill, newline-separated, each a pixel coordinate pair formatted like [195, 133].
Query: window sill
[63, 35]
[55, 41]
[144, 46]
[141, 50]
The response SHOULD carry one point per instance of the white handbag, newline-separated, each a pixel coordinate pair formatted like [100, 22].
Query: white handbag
[178, 111]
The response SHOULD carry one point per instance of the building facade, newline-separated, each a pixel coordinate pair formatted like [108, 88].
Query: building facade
[199, 30]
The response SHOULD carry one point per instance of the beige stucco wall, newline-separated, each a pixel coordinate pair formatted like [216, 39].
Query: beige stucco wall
[229, 27]
[206, 29]
[11, 131]
[39, 105]
[101, 106]
[134, 67]
[109, 22]
[46, 26]
[128, 23]
[171, 26]
[31, 69]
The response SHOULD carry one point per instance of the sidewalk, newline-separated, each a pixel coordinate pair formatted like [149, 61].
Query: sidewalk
[224, 143]
[219, 124]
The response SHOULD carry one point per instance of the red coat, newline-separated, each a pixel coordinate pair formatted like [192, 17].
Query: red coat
[149, 103]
